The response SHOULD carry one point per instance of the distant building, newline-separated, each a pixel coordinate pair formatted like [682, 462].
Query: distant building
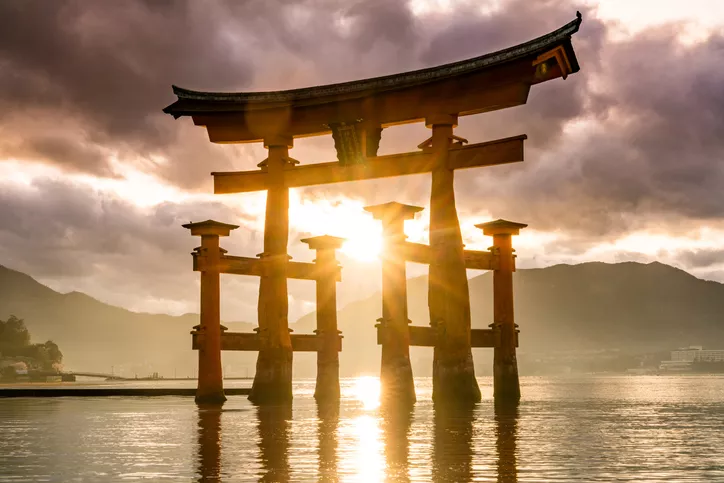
[685, 358]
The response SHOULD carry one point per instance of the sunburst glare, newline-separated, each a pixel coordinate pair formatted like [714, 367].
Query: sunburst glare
[341, 217]
[367, 391]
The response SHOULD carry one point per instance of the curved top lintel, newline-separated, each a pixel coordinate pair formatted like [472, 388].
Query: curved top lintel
[195, 102]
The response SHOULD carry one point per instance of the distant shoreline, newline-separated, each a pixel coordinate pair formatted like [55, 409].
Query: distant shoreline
[26, 391]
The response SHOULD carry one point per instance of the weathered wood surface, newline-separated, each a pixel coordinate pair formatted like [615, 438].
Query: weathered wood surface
[491, 153]
[251, 342]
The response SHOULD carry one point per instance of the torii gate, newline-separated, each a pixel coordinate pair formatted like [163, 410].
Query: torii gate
[355, 114]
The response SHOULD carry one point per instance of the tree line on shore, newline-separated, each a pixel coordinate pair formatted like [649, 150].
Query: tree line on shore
[17, 350]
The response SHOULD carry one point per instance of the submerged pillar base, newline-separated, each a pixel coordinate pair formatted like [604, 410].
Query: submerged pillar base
[506, 384]
[327, 387]
[454, 380]
[397, 381]
[273, 378]
[210, 397]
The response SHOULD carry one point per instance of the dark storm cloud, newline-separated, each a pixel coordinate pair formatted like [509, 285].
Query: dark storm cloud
[551, 105]
[702, 258]
[63, 152]
[56, 216]
[109, 66]
[80, 81]
[649, 157]
[74, 237]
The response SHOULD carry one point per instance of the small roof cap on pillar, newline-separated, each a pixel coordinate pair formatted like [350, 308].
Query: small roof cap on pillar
[501, 227]
[393, 211]
[324, 241]
[210, 227]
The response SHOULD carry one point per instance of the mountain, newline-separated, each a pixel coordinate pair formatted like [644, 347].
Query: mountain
[590, 307]
[98, 337]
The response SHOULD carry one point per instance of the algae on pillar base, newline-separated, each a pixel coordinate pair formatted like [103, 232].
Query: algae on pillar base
[453, 370]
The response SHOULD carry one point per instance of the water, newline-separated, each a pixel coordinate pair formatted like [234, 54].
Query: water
[658, 428]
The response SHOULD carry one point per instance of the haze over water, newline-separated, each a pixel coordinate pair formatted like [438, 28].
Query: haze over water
[665, 428]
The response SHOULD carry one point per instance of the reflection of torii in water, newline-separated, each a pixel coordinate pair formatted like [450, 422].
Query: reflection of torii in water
[355, 113]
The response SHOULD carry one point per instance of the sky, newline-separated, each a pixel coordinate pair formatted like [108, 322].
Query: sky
[623, 159]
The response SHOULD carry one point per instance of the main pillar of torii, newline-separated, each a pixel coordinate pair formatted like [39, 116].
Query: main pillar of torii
[453, 371]
[273, 377]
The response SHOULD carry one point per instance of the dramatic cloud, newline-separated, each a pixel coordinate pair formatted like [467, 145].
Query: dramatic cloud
[632, 143]
[647, 156]
[107, 69]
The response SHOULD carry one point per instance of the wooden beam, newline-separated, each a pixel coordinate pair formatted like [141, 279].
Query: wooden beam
[415, 252]
[491, 153]
[388, 108]
[501, 151]
[480, 260]
[421, 336]
[229, 181]
[474, 260]
[249, 341]
[256, 267]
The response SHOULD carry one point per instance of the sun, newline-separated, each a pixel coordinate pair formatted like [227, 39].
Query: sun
[340, 217]
[363, 246]
[367, 391]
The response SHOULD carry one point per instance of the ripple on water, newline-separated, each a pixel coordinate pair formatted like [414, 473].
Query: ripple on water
[565, 429]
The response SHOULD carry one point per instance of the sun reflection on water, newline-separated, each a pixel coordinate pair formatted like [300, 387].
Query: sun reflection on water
[362, 455]
[369, 449]
[367, 391]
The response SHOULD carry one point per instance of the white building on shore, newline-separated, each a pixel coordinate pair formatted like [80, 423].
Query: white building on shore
[683, 359]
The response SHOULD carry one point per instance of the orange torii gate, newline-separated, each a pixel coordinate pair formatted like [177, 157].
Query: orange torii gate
[355, 114]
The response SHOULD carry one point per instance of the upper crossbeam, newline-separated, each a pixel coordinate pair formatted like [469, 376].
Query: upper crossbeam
[491, 153]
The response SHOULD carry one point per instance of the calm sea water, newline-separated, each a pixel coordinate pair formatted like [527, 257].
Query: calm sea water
[658, 428]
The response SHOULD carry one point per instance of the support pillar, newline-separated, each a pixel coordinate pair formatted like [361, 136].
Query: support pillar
[273, 377]
[506, 386]
[327, 388]
[453, 371]
[396, 371]
[210, 388]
